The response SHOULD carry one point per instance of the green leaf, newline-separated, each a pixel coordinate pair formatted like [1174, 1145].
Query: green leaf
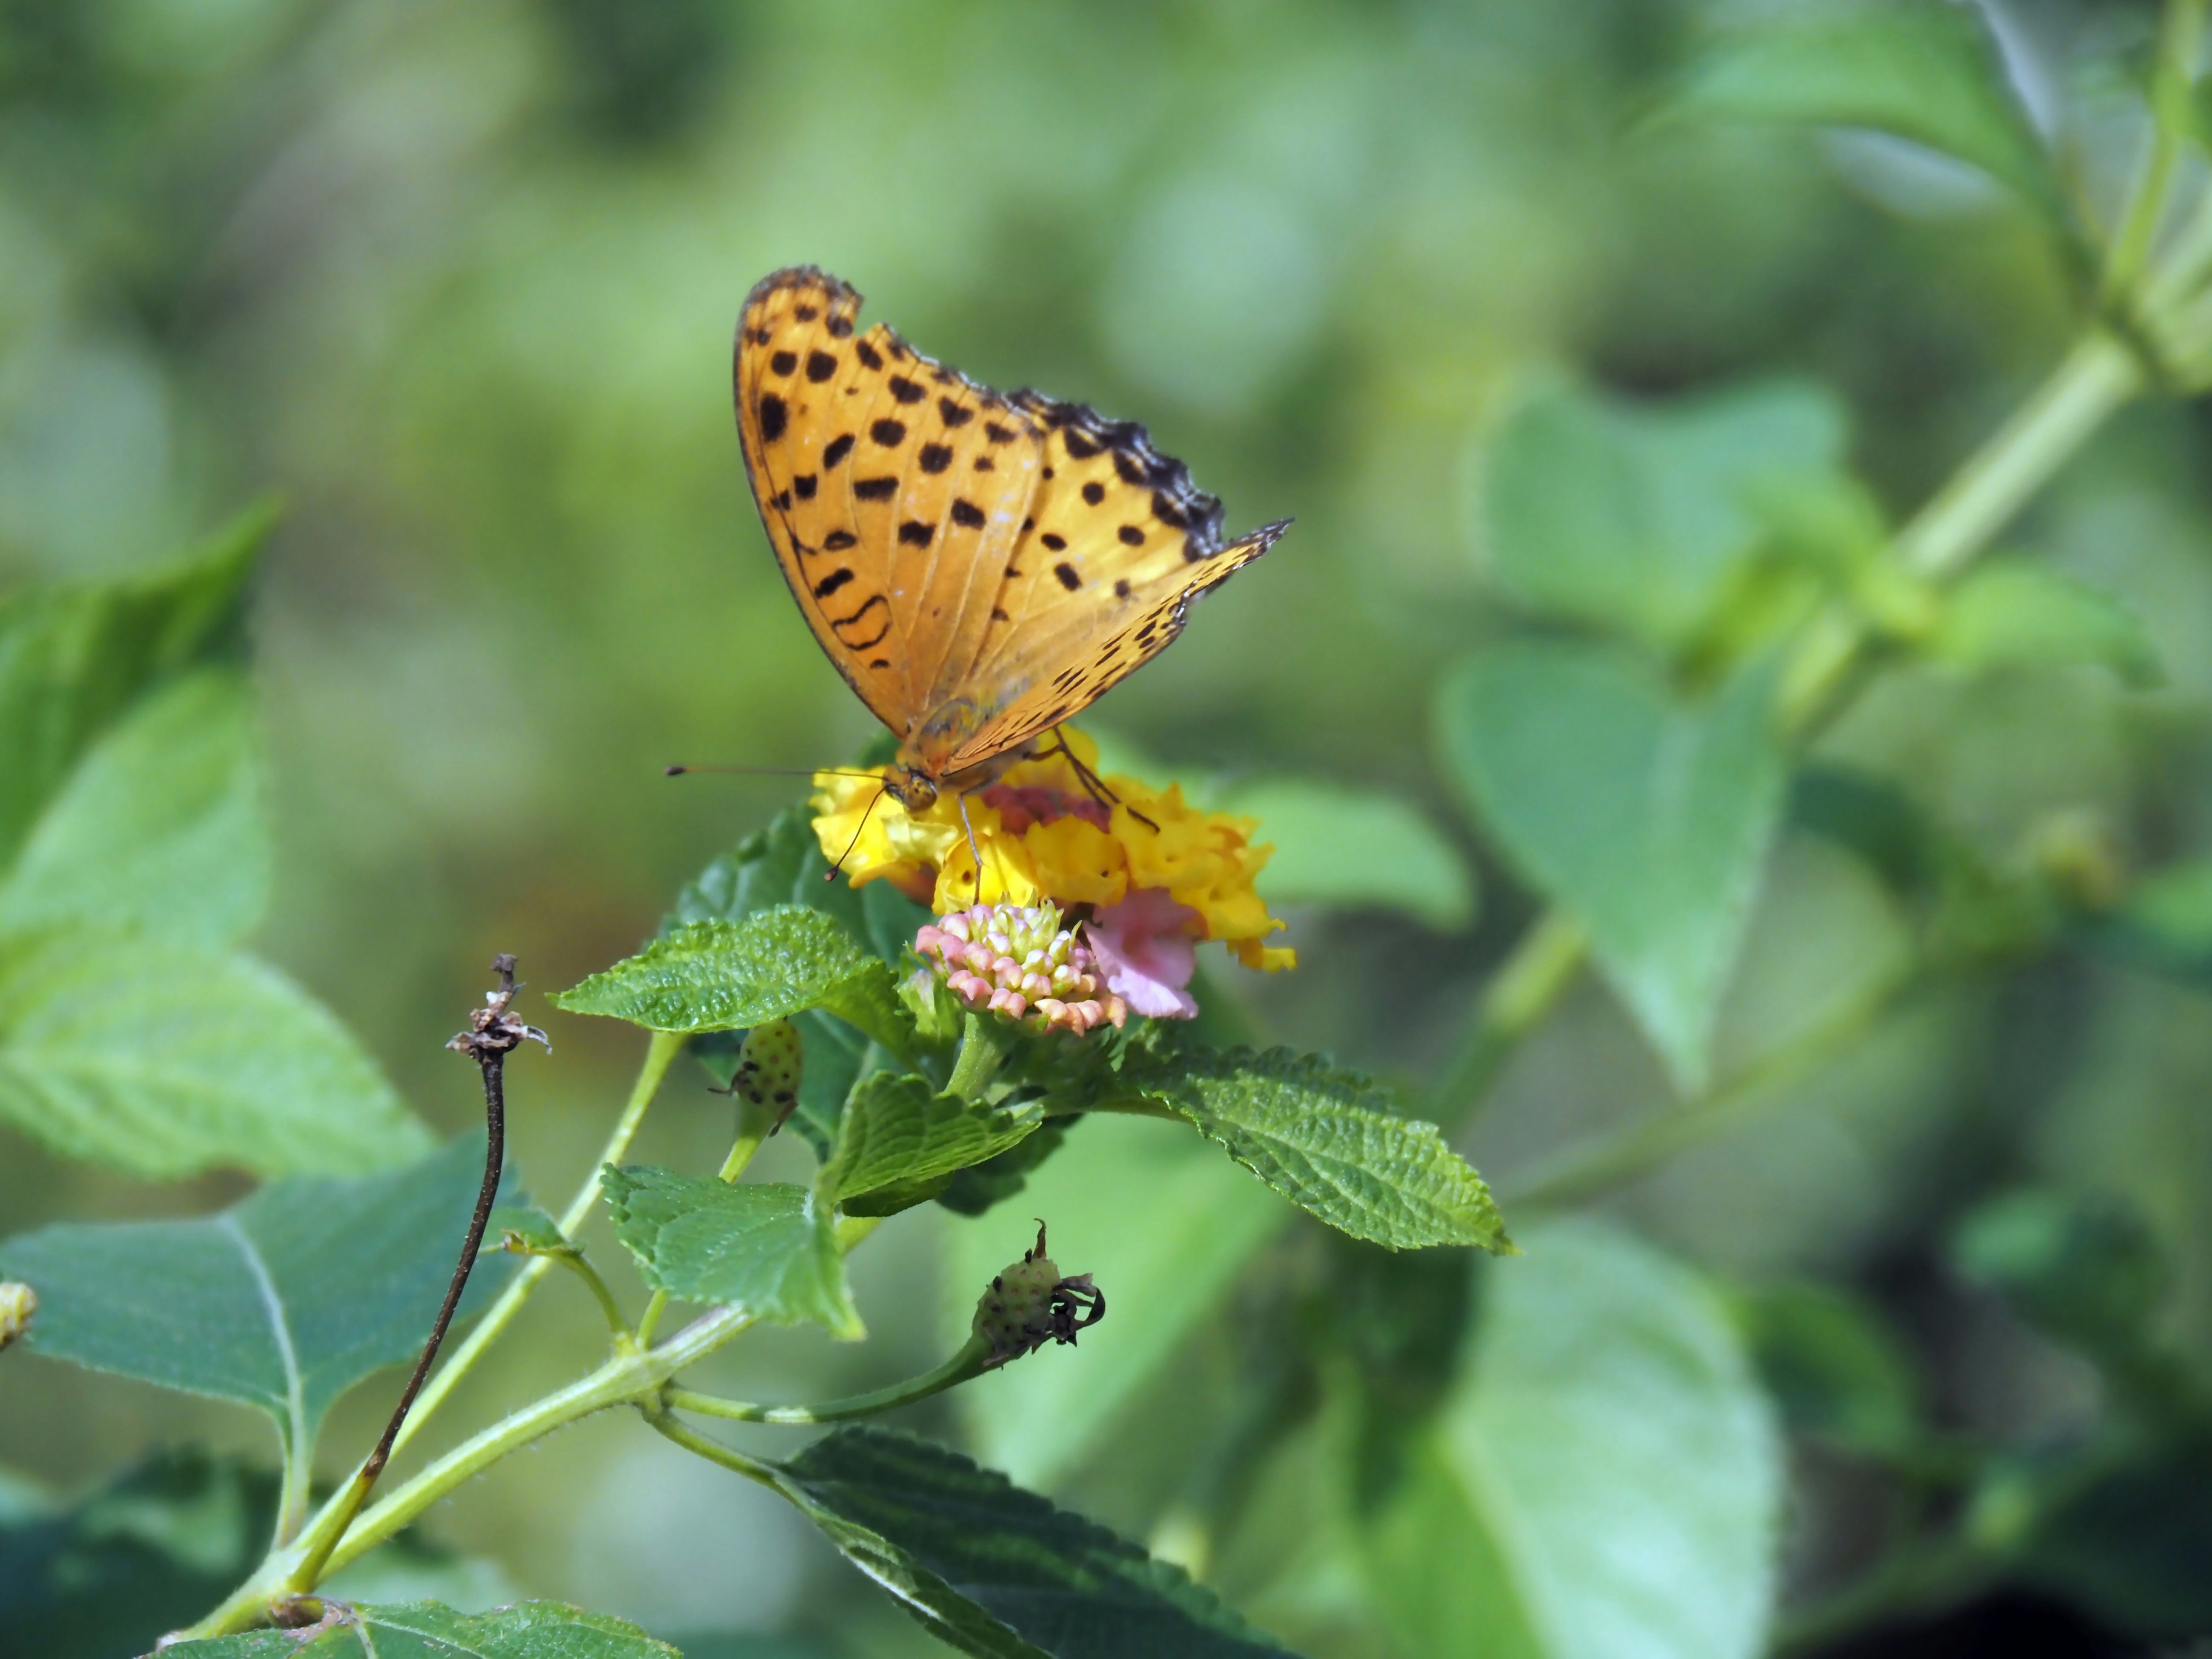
[1354, 848]
[901, 1141]
[996, 1570]
[1165, 1223]
[2011, 611]
[1605, 1482]
[1646, 816]
[1327, 1140]
[72, 659]
[1833, 1369]
[768, 1247]
[530, 1227]
[162, 1059]
[1642, 519]
[783, 864]
[1923, 70]
[729, 976]
[2128, 1542]
[162, 825]
[425, 1629]
[284, 1301]
[2167, 922]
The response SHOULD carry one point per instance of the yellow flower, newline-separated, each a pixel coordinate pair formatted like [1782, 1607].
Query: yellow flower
[1042, 837]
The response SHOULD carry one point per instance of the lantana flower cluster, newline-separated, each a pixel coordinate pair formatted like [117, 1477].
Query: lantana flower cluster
[1150, 876]
[1018, 961]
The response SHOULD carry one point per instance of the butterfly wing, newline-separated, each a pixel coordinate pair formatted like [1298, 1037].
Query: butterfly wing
[893, 489]
[1118, 545]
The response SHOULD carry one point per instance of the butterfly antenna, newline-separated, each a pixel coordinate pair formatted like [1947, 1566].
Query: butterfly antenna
[830, 874]
[769, 771]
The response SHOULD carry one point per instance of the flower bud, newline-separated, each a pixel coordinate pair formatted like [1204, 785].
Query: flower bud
[17, 1304]
[769, 1068]
[1031, 1304]
[1018, 960]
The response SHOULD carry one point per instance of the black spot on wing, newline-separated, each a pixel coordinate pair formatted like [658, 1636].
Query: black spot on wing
[774, 415]
[837, 450]
[934, 457]
[875, 490]
[889, 433]
[967, 513]
[820, 366]
[1068, 579]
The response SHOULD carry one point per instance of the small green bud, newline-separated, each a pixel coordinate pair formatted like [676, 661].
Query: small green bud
[770, 1067]
[1031, 1304]
[17, 1304]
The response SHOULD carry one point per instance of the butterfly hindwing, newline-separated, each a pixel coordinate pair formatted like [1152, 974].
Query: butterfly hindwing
[978, 567]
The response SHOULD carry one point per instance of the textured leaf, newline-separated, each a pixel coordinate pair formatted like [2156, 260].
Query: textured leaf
[1165, 1221]
[783, 864]
[1606, 1484]
[1641, 519]
[425, 1629]
[996, 1570]
[732, 975]
[1924, 70]
[1646, 815]
[768, 1247]
[900, 1140]
[1326, 1140]
[283, 1302]
[72, 659]
[2012, 612]
[1354, 848]
[162, 1059]
[162, 825]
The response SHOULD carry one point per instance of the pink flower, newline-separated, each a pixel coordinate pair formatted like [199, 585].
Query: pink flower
[1146, 948]
[1018, 961]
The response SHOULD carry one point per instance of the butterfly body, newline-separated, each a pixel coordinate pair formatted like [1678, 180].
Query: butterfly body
[979, 566]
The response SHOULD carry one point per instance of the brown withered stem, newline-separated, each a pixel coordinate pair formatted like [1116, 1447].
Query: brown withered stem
[493, 1033]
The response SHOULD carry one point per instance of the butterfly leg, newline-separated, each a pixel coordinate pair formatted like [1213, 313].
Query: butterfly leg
[1093, 785]
[973, 852]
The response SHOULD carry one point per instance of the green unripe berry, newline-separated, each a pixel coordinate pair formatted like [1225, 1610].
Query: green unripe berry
[769, 1068]
[17, 1304]
[1030, 1304]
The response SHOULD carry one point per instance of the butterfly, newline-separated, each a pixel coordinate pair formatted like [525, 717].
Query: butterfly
[979, 567]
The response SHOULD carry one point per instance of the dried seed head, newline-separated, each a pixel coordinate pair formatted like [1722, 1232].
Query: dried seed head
[1029, 1304]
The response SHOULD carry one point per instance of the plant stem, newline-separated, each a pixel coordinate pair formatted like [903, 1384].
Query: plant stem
[1530, 983]
[984, 1045]
[968, 1364]
[715, 1452]
[2181, 42]
[617, 1326]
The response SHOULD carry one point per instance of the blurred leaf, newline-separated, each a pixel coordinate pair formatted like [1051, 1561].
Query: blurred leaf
[72, 659]
[284, 1301]
[1641, 520]
[768, 1247]
[1924, 70]
[1163, 1222]
[531, 1228]
[163, 824]
[2167, 922]
[1605, 1484]
[1326, 1140]
[1646, 815]
[2085, 1268]
[900, 1140]
[2132, 1545]
[162, 1059]
[1837, 1374]
[996, 1570]
[1354, 848]
[2008, 612]
[726, 975]
[975, 1190]
[425, 1629]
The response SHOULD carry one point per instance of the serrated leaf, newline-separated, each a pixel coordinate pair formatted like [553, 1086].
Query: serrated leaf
[162, 825]
[1606, 1483]
[425, 1630]
[1923, 70]
[1349, 848]
[1645, 815]
[530, 1227]
[999, 1571]
[732, 975]
[72, 659]
[900, 1140]
[162, 1059]
[783, 864]
[768, 1247]
[1325, 1139]
[282, 1302]
[1641, 519]
[2011, 612]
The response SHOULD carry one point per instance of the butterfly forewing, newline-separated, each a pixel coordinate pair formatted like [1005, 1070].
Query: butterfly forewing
[979, 567]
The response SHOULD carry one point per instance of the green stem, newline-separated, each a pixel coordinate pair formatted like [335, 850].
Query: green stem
[1542, 968]
[985, 1042]
[1644, 1146]
[617, 1326]
[2181, 43]
[715, 1452]
[969, 1363]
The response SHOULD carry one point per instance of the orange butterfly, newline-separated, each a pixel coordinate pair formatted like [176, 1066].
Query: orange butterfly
[979, 567]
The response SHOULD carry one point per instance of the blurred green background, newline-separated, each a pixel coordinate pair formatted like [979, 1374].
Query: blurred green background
[457, 282]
